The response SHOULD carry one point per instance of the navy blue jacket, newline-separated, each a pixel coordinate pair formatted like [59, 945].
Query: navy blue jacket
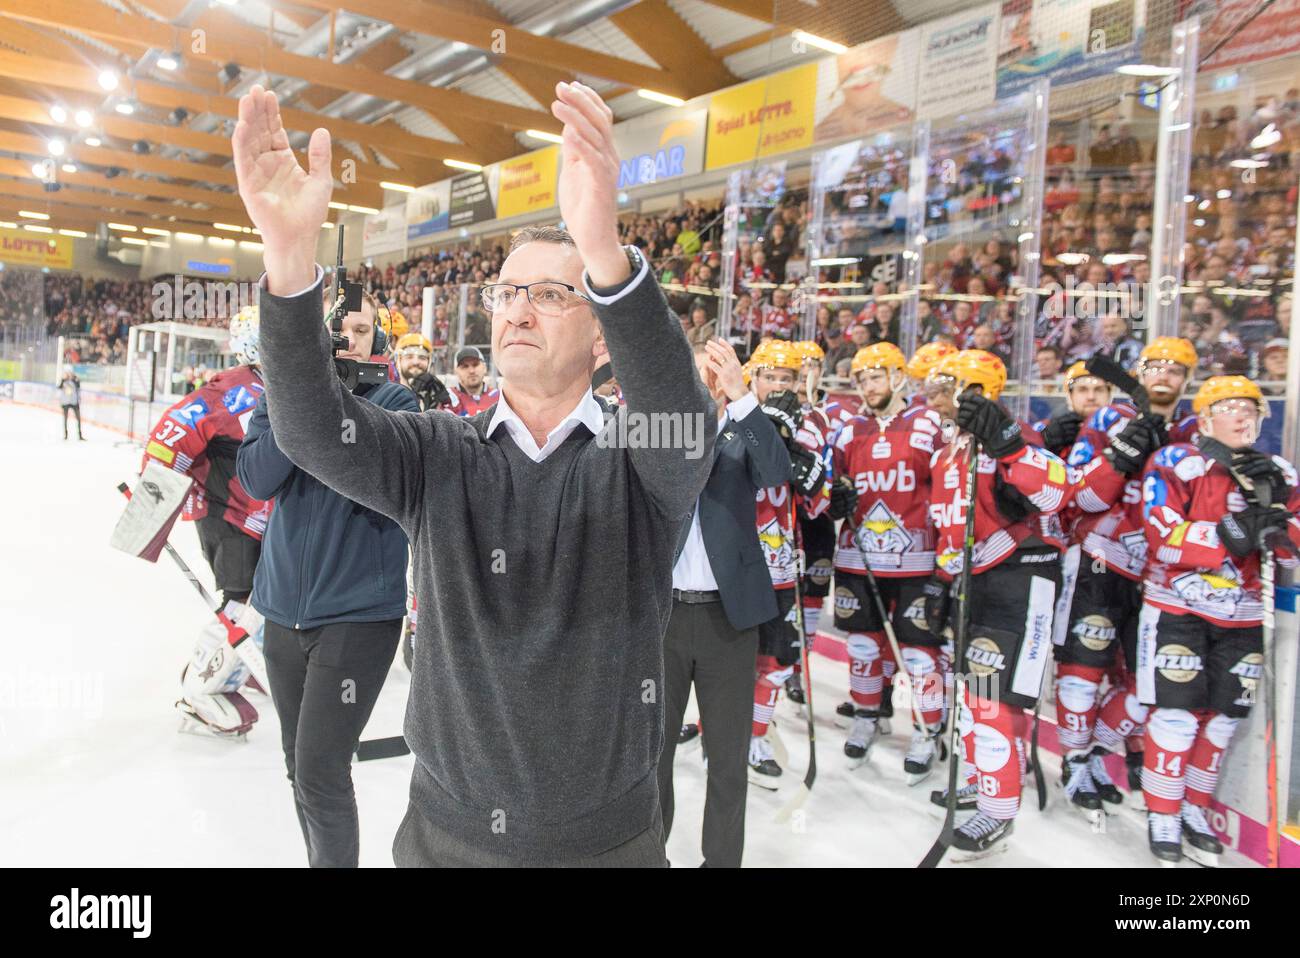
[324, 558]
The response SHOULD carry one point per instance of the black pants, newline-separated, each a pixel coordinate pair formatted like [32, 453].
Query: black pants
[232, 555]
[701, 646]
[76, 411]
[324, 682]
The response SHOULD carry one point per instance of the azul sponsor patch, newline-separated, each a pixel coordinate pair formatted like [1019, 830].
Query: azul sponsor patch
[820, 571]
[190, 413]
[1248, 670]
[1177, 663]
[846, 603]
[984, 657]
[239, 399]
[1094, 632]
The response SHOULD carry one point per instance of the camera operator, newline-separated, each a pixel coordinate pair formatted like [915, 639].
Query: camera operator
[331, 584]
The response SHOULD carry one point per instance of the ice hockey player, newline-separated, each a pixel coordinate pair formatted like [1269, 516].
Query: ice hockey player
[412, 356]
[884, 452]
[199, 436]
[922, 363]
[471, 394]
[774, 370]
[821, 417]
[1015, 574]
[1098, 636]
[1200, 642]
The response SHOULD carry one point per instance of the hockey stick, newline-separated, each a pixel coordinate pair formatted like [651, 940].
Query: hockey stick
[237, 638]
[1037, 766]
[1105, 368]
[393, 747]
[955, 750]
[904, 677]
[805, 787]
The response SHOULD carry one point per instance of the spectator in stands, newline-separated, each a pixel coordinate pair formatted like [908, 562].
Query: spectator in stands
[701, 329]
[1273, 366]
[1117, 342]
[1049, 362]
[836, 346]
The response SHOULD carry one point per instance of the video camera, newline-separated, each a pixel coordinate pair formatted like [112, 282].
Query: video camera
[347, 298]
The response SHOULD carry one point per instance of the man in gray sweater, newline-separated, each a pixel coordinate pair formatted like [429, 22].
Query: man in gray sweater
[543, 535]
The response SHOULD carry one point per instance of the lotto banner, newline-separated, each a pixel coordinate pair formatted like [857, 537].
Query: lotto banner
[25, 248]
[762, 118]
[527, 184]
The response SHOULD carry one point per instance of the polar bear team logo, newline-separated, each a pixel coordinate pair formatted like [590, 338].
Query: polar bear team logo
[776, 547]
[1210, 590]
[883, 532]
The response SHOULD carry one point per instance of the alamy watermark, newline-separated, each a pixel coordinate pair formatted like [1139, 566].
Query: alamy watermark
[656, 430]
[180, 298]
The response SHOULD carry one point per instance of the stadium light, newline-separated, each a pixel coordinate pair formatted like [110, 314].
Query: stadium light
[544, 135]
[821, 43]
[123, 227]
[93, 141]
[83, 118]
[154, 231]
[369, 210]
[108, 79]
[1145, 70]
[658, 97]
[462, 165]
[134, 241]
[399, 187]
[167, 62]
[31, 215]
[36, 228]
[58, 114]
[56, 147]
[79, 234]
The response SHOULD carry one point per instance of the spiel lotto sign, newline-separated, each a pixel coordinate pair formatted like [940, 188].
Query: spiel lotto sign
[24, 248]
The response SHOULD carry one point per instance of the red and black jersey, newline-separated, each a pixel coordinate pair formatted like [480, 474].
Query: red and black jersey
[772, 514]
[888, 462]
[1185, 493]
[1106, 514]
[200, 437]
[465, 403]
[1034, 474]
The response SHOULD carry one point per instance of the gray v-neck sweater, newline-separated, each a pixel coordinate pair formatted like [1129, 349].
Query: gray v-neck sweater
[536, 706]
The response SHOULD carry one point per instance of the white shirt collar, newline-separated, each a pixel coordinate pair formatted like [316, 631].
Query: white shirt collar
[587, 412]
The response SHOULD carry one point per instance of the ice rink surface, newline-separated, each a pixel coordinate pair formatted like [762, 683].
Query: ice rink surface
[93, 771]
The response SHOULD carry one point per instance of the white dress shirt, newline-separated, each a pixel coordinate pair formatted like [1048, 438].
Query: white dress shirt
[693, 573]
[587, 413]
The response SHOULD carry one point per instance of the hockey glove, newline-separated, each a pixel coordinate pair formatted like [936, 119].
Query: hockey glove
[805, 471]
[1260, 468]
[989, 423]
[431, 392]
[1241, 531]
[786, 413]
[938, 598]
[1133, 445]
[1061, 431]
[844, 498]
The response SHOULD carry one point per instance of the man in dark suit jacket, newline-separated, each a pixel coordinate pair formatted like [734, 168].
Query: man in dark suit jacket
[721, 594]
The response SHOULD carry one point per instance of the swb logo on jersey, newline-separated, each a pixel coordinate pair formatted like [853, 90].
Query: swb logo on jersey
[900, 478]
[846, 603]
[1094, 632]
[984, 656]
[1177, 663]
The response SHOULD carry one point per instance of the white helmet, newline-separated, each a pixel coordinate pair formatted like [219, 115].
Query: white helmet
[243, 336]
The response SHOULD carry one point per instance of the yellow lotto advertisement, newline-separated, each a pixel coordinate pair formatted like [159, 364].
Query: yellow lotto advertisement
[762, 117]
[25, 248]
[528, 182]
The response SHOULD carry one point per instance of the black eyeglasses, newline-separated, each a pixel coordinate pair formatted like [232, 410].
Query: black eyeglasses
[548, 298]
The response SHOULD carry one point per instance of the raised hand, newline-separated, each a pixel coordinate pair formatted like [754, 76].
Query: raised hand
[589, 181]
[285, 202]
[725, 366]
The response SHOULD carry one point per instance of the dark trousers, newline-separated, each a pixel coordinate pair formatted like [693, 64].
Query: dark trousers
[324, 682]
[420, 844]
[76, 411]
[700, 646]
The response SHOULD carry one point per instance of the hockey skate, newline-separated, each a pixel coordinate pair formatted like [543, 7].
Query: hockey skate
[1112, 799]
[193, 724]
[980, 836]
[1077, 784]
[794, 690]
[861, 737]
[1165, 836]
[690, 734]
[763, 769]
[919, 760]
[1202, 845]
